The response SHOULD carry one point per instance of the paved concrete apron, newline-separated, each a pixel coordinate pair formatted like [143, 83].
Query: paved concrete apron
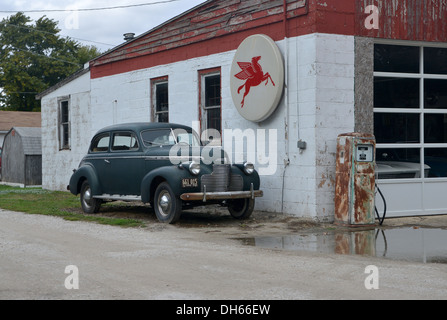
[168, 262]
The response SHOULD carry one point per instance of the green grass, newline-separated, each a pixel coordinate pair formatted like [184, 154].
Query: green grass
[54, 203]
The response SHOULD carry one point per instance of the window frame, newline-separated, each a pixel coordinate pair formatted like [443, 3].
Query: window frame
[155, 114]
[131, 134]
[421, 110]
[64, 127]
[203, 108]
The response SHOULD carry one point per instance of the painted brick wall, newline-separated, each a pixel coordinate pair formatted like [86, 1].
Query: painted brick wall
[57, 166]
[317, 105]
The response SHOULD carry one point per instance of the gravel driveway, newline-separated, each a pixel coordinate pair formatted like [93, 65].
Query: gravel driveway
[200, 258]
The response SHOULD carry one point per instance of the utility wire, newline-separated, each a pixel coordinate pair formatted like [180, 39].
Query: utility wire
[89, 9]
[53, 34]
[44, 56]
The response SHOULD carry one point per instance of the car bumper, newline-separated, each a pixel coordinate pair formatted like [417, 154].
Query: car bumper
[204, 196]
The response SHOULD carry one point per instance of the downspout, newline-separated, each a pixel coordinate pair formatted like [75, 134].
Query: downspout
[286, 102]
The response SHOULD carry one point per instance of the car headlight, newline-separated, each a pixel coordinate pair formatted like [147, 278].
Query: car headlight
[249, 167]
[194, 168]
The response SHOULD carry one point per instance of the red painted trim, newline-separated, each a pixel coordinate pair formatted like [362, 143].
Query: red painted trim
[174, 42]
[203, 48]
[202, 73]
[155, 81]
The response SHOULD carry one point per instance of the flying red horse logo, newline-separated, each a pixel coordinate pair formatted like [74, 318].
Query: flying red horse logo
[253, 74]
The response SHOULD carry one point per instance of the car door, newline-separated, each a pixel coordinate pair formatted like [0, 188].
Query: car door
[98, 157]
[126, 164]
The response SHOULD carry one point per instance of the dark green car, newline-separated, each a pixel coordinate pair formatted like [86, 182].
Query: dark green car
[163, 165]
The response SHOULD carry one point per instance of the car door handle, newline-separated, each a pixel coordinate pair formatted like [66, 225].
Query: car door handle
[106, 161]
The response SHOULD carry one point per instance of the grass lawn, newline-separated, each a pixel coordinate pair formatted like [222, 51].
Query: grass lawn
[54, 203]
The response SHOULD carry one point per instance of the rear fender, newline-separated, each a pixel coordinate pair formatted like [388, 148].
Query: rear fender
[86, 172]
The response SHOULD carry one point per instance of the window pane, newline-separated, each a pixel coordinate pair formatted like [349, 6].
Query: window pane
[65, 136]
[436, 159]
[435, 60]
[100, 144]
[398, 163]
[396, 127]
[391, 58]
[435, 128]
[157, 137]
[213, 119]
[435, 92]
[162, 97]
[212, 91]
[124, 142]
[396, 93]
[162, 117]
[64, 111]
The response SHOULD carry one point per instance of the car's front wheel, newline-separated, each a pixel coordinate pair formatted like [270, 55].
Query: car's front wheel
[167, 206]
[241, 208]
[88, 203]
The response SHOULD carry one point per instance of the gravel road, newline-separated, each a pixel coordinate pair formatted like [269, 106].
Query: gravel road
[196, 261]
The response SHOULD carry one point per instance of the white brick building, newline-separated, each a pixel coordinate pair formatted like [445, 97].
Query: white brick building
[329, 65]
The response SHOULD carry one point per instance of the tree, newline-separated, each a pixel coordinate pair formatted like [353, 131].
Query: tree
[33, 57]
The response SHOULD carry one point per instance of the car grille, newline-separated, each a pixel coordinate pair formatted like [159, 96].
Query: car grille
[222, 180]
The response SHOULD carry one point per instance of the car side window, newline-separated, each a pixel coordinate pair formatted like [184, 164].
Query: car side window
[100, 143]
[125, 141]
[158, 137]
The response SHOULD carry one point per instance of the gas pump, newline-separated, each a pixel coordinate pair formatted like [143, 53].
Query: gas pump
[355, 180]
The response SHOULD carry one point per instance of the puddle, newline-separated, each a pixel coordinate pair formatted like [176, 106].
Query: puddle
[424, 245]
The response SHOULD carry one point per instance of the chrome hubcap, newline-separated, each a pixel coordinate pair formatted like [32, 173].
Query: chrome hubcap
[164, 203]
[87, 194]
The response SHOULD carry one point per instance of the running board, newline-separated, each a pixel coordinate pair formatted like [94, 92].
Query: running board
[116, 197]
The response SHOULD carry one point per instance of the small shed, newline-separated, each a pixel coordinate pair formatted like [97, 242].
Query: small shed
[22, 156]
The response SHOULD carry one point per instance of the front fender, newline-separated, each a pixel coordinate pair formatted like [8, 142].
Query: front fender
[172, 175]
[248, 179]
[85, 172]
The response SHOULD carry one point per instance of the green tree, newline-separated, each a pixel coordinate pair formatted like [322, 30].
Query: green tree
[34, 57]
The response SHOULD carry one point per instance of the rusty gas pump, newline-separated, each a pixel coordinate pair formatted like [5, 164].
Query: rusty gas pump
[355, 180]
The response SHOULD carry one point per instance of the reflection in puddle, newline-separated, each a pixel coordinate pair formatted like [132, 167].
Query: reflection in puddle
[411, 244]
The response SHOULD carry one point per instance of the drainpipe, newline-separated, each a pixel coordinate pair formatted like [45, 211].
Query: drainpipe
[286, 102]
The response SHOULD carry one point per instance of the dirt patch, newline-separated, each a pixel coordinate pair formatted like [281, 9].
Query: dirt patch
[215, 220]
[212, 219]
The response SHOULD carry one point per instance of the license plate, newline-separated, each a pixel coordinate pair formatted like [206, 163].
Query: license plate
[190, 182]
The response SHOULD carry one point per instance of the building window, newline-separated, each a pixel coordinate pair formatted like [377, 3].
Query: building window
[160, 101]
[210, 105]
[410, 111]
[64, 124]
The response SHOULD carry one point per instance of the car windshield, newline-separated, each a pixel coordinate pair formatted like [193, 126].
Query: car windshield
[186, 137]
[162, 137]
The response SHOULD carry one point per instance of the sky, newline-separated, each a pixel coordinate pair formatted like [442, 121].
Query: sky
[104, 28]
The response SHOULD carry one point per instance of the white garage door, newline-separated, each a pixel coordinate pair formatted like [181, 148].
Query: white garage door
[410, 125]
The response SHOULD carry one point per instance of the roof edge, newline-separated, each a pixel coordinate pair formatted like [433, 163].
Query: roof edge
[150, 31]
[61, 83]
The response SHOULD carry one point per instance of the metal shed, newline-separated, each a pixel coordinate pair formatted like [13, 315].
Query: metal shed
[22, 156]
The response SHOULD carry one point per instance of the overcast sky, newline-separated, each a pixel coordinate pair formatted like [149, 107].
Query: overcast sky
[102, 28]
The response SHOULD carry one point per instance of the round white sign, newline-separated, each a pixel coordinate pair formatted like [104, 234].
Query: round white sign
[257, 78]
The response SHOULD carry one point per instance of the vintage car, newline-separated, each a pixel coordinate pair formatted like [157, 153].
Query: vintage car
[164, 165]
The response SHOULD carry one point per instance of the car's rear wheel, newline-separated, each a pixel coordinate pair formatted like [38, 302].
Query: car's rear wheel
[241, 208]
[167, 206]
[88, 203]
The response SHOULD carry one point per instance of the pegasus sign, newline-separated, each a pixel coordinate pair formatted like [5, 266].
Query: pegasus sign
[253, 74]
[257, 86]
